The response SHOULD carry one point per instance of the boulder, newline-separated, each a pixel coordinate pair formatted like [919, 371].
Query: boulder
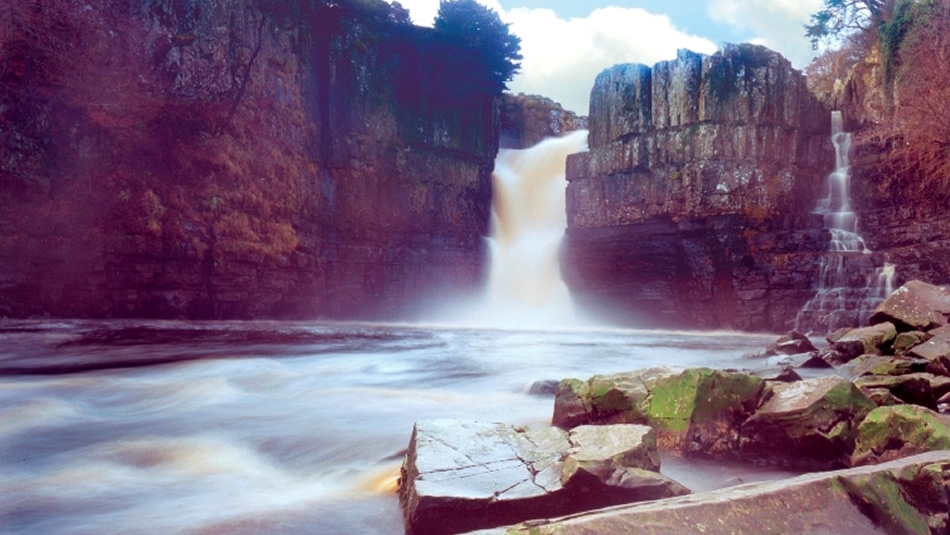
[460, 476]
[694, 411]
[801, 360]
[915, 306]
[779, 373]
[809, 423]
[907, 496]
[936, 351]
[884, 365]
[912, 388]
[865, 340]
[905, 341]
[899, 431]
[792, 343]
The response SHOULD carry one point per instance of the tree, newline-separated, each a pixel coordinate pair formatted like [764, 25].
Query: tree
[846, 16]
[477, 27]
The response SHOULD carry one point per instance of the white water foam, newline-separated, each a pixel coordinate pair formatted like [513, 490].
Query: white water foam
[525, 289]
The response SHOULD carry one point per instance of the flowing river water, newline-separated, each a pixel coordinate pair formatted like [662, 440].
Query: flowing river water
[274, 427]
[143, 427]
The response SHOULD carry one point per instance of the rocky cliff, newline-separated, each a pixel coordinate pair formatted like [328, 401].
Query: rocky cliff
[237, 158]
[528, 119]
[693, 206]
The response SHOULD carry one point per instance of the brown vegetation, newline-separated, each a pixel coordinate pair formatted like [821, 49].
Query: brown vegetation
[904, 156]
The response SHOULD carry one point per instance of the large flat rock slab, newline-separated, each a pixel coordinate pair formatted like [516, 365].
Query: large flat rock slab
[915, 305]
[460, 476]
[908, 496]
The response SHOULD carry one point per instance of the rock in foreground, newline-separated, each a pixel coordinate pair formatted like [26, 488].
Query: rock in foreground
[460, 476]
[916, 305]
[909, 496]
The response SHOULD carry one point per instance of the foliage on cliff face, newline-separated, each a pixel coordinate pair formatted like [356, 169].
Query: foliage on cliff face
[916, 141]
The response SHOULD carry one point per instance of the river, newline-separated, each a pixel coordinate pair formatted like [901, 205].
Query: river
[276, 427]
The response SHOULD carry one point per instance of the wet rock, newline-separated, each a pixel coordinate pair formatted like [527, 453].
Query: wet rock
[547, 387]
[693, 411]
[793, 343]
[914, 388]
[781, 373]
[936, 351]
[809, 423]
[803, 360]
[884, 365]
[460, 476]
[620, 457]
[865, 340]
[893, 432]
[907, 496]
[917, 306]
[882, 397]
[904, 342]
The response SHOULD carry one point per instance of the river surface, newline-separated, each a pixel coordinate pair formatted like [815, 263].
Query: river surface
[275, 427]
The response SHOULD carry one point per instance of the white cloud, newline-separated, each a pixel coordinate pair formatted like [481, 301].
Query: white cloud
[423, 12]
[776, 24]
[562, 57]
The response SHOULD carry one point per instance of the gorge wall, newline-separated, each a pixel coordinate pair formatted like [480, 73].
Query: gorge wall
[693, 207]
[238, 159]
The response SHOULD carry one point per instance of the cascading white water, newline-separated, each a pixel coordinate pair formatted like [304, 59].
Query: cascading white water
[525, 289]
[849, 287]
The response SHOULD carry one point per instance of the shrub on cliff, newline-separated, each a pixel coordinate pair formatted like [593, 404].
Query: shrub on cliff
[477, 27]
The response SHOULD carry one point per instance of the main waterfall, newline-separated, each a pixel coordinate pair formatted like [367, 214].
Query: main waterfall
[849, 285]
[525, 289]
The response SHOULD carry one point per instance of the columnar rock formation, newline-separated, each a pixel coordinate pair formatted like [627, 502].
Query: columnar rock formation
[693, 206]
[238, 159]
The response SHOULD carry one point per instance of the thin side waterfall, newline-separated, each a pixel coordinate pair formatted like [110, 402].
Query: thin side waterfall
[849, 285]
[525, 289]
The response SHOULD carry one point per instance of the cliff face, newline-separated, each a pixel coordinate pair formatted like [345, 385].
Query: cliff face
[237, 158]
[692, 207]
[526, 120]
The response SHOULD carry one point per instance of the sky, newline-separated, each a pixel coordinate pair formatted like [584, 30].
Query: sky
[566, 43]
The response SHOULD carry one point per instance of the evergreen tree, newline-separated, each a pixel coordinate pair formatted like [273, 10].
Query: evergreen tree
[477, 27]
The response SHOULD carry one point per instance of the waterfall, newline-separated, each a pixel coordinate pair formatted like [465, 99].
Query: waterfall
[524, 288]
[849, 285]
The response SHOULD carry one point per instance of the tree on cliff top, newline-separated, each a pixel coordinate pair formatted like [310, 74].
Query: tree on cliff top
[846, 16]
[477, 27]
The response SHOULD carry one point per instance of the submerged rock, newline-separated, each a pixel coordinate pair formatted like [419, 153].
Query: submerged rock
[893, 432]
[460, 476]
[793, 343]
[809, 423]
[909, 496]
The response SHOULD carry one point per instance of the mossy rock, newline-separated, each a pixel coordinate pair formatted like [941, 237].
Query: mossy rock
[811, 424]
[893, 432]
[697, 410]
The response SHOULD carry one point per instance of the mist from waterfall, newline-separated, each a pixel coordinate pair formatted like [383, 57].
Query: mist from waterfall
[849, 285]
[524, 288]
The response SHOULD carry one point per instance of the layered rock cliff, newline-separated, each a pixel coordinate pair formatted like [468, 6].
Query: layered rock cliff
[693, 206]
[237, 158]
[526, 120]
